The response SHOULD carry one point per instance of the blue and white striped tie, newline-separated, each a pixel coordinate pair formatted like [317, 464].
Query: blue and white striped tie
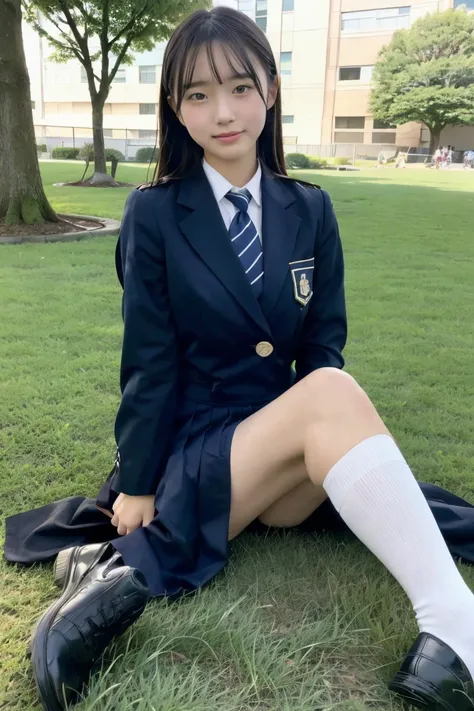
[244, 237]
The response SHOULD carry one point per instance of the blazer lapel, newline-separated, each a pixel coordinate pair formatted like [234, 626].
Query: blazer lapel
[204, 228]
[280, 227]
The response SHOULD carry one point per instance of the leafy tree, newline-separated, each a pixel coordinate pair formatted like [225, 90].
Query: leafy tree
[101, 35]
[22, 198]
[426, 74]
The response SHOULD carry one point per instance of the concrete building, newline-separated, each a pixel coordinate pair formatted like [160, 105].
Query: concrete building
[358, 29]
[326, 50]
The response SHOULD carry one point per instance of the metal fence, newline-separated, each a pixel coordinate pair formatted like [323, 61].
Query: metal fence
[125, 140]
[354, 151]
[129, 140]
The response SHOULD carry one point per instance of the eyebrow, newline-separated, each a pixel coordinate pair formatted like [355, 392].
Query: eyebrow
[203, 82]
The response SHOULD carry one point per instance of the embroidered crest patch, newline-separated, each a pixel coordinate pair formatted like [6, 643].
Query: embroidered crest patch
[303, 280]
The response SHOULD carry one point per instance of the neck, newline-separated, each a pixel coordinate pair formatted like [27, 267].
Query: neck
[237, 172]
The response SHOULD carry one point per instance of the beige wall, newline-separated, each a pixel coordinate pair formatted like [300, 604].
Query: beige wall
[304, 33]
[461, 137]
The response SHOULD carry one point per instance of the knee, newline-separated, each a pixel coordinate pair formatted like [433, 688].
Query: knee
[332, 391]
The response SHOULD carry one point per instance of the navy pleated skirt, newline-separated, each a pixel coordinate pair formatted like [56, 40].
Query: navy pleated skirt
[187, 543]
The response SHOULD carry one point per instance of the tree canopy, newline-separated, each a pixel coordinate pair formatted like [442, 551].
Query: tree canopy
[102, 35]
[426, 74]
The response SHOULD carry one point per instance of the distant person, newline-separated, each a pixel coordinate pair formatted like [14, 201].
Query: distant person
[401, 160]
[468, 159]
[381, 160]
[438, 157]
[449, 156]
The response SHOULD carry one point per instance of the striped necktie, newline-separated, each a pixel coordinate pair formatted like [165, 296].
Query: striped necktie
[244, 237]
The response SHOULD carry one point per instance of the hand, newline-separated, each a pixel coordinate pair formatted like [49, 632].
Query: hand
[131, 512]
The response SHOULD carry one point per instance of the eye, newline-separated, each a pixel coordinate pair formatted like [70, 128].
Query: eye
[197, 96]
[242, 89]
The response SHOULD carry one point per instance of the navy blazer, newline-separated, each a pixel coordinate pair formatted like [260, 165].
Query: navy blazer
[192, 325]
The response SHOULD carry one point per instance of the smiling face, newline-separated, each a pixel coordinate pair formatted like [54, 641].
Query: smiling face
[222, 108]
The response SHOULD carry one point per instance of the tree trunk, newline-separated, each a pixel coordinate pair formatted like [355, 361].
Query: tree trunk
[98, 135]
[435, 136]
[22, 197]
[100, 176]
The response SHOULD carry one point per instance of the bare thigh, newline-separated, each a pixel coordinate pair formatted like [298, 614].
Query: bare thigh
[283, 452]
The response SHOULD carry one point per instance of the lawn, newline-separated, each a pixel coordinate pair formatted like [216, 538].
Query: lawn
[295, 622]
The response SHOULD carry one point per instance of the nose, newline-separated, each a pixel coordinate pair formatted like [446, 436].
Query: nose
[224, 110]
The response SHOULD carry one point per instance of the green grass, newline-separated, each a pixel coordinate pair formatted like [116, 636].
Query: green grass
[294, 623]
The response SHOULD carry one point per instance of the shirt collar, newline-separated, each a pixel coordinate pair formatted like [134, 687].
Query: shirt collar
[221, 186]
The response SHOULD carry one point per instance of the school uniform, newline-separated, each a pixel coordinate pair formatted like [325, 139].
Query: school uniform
[200, 354]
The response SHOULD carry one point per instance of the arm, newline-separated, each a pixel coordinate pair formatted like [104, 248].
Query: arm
[325, 328]
[148, 372]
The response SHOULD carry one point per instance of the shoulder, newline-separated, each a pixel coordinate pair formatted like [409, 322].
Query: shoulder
[152, 196]
[310, 194]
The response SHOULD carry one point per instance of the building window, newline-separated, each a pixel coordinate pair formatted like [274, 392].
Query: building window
[394, 18]
[33, 105]
[147, 74]
[350, 122]
[363, 74]
[381, 124]
[285, 62]
[288, 5]
[83, 75]
[107, 133]
[348, 137]
[468, 3]
[120, 77]
[147, 109]
[150, 135]
[384, 137]
[349, 73]
[288, 118]
[261, 14]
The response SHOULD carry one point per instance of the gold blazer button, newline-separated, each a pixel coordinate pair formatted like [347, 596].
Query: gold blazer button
[264, 349]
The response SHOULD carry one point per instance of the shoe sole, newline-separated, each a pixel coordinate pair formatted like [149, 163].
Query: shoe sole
[423, 695]
[63, 576]
[63, 566]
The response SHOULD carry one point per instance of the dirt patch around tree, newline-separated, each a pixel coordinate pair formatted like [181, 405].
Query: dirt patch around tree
[66, 224]
[87, 184]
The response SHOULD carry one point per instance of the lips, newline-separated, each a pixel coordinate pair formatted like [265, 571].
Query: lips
[228, 135]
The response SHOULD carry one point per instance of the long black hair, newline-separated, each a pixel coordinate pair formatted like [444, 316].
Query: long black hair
[240, 39]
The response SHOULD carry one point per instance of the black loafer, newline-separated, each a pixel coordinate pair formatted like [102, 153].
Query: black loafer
[432, 677]
[101, 599]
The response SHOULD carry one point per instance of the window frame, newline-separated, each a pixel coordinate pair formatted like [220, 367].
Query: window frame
[375, 19]
[144, 69]
[289, 69]
[146, 113]
[348, 127]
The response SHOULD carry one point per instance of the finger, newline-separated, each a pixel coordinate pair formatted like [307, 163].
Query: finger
[147, 520]
[117, 503]
[105, 511]
[114, 520]
[121, 529]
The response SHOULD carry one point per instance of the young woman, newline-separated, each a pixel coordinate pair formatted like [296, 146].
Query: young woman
[232, 272]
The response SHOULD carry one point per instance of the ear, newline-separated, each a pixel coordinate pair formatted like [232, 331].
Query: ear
[273, 92]
[172, 104]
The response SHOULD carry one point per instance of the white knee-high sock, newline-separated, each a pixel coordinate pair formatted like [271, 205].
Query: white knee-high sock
[375, 492]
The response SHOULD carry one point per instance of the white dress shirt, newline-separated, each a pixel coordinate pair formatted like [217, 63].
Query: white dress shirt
[220, 186]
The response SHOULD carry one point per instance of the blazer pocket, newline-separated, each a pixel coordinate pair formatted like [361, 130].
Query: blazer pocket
[302, 274]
